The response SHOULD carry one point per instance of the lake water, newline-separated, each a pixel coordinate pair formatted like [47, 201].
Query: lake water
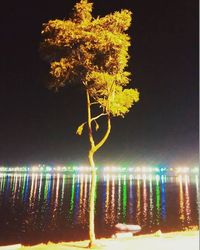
[39, 208]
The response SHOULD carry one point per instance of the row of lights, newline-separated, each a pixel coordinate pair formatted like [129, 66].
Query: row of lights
[43, 168]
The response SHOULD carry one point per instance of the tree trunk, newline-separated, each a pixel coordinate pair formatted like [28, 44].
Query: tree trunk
[92, 198]
[93, 149]
[93, 171]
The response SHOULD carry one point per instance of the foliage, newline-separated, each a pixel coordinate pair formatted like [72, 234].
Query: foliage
[93, 51]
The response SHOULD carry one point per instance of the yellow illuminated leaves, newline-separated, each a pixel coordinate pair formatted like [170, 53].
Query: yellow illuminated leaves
[79, 131]
[95, 52]
[82, 12]
[83, 38]
[119, 21]
[120, 101]
[96, 126]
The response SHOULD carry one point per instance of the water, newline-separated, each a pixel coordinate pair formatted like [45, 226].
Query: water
[40, 208]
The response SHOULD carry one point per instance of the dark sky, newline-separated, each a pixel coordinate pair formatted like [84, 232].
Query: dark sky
[38, 126]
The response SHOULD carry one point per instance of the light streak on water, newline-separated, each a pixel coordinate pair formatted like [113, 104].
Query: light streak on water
[181, 202]
[131, 200]
[145, 204]
[35, 188]
[85, 198]
[107, 200]
[151, 206]
[77, 200]
[56, 202]
[40, 187]
[163, 198]
[46, 188]
[157, 199]
[95, 192]
[23, 186]
[80, 214]
[53, 183]
[72, 197]
[26, 192]
[49, 193]
[112, 212]
[187, 202]
[32, 190]
[138, 209]
[7, 184]
[124, 201]
[184, 201]
[119, 198]
[62, 191]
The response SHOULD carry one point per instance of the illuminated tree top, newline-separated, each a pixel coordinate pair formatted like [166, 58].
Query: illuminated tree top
[93, 51]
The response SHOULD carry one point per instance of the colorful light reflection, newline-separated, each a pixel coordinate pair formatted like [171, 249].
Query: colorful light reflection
[140, 200]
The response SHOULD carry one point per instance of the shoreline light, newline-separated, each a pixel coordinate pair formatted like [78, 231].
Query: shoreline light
[105, 170]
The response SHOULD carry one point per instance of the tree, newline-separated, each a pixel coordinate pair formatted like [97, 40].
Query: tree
[93, 52]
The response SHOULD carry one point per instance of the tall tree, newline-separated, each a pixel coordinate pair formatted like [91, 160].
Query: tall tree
[93, 52]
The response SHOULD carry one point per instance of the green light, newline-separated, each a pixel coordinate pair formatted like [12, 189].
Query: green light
[151, 206]
[72, 196]
[40, 187]
[95, 194]
[124, 199]
[158, 199]
[23, 185]
[46, 188]
[63, 187]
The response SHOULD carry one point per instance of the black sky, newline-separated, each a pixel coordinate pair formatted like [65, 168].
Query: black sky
[38, 126]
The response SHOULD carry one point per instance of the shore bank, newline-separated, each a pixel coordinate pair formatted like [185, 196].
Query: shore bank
[187, 240]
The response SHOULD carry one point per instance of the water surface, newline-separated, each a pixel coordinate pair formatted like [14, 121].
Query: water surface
[39, 208]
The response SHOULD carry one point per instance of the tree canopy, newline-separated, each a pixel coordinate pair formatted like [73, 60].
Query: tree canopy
[94, 52]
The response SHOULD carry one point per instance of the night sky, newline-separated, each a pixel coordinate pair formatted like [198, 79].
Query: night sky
[38, 125]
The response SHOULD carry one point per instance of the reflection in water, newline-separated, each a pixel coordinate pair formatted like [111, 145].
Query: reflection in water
[157, 199]
[151, 206]
[145, 204]
[187, 202]
[47, 199]
[181, 206]
[72, 197]
[26, 192]
[184, 201]
[77, 200]
[163, 198]
[56, 202]
[46, 188]
[15, 188]
[138, 209]
[80, 201]
[119, 198]
[107, 200]
[40, 187]
[131, 201]
[63, 191]
[112, 212]
[124, 202]
[32, 188]
[50, 180]
[84, 203]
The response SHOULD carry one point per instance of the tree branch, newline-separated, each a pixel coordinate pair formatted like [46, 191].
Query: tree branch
[93, 103]
[103, 140]
[98, 116]
[89, 121]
